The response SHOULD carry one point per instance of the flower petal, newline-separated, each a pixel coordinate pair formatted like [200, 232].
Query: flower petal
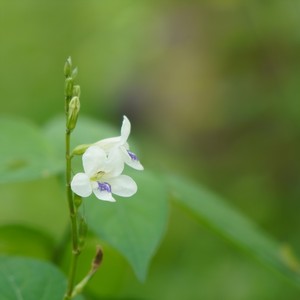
[103, 194]
[125, 130]
[135, 164]
[114, 164]
[81, 185]
[108, 144]
[123, 185]
[93, 160]
[131, 159]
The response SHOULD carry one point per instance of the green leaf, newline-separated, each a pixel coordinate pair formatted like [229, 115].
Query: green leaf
[134, 226]
[23, 240]
[24, 153]
[224, 220]
[28, 279]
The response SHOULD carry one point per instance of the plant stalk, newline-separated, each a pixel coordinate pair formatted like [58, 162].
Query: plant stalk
[73, 217]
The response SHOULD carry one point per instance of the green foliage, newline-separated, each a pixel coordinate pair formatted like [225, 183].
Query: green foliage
[134, 226]
[23, 240]
[25, 153]
[213, 85]
[227, 222]
[29, 279]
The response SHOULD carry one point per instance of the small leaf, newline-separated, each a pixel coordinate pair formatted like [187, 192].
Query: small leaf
[213, 212]
[24, 153]
[134, 226]
[28, 279]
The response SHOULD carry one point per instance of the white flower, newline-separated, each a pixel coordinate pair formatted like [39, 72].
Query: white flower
[120, 145]
[102, 176]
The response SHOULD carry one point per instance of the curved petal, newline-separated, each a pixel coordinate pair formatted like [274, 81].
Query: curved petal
[125, 130]
[135, 164]
[123, 185]
[81, 185]
[93, 160]
[103, 194]
[131, 159]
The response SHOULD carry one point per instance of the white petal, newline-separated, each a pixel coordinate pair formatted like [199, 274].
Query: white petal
[108, 144]
[135, 164]
[93, 160]
[123, 185]
[125, 130]
[81, 185]
[104, 195]
[115, 164]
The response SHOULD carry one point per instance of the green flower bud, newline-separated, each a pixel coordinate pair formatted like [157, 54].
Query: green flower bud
[77, 200]
[69, 87]
[74, 73]
[68, 67]
[79, 150]
[76, 90]
[74, 107]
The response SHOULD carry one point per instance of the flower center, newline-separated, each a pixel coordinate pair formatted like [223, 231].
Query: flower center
[97, 176]
[104, 186]
[132, 156]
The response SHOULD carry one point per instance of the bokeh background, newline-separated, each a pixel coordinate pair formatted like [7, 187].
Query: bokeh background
[212, 89]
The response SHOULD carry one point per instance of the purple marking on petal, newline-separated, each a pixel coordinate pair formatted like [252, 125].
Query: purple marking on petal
[104, 186]
[132, 156]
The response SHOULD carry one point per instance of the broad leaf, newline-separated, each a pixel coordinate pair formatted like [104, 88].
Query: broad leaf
[24, 153]
[24, 240]
[28, 279]
[224, 220]
[134, 226]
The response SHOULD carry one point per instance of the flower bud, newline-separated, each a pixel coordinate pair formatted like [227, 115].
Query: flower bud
[74, 107]
[77, 200]
[97, 259]
[68, 67]
[69, 87]
[76, 90]
[79, 150]
[74, 73]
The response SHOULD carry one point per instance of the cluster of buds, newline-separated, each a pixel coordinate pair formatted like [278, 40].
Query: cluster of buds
[72, 95]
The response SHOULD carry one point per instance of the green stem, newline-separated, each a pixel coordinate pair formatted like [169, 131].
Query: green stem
[73, 216]
[94, 267]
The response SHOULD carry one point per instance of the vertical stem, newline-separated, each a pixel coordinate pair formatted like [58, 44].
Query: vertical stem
[73, 217]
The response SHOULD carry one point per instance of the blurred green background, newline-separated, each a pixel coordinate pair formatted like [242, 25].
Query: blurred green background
[212, 90]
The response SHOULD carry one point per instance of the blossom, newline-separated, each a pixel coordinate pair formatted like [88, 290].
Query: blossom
[120, 146]
[102, 176]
